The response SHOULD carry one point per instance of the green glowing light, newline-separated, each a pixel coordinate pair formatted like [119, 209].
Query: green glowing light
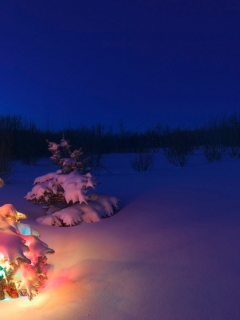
[2, 272]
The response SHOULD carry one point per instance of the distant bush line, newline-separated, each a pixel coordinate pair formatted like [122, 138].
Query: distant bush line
[21, 139]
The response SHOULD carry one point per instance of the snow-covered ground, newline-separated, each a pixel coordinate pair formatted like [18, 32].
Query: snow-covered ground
[171, 253]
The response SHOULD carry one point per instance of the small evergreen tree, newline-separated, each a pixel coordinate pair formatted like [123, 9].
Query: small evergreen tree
[22, 255]
[65, 192]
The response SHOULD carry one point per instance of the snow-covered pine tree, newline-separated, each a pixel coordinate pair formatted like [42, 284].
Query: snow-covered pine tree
[65, 192]
[22, 256]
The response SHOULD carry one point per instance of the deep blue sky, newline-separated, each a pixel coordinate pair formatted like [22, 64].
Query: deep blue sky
[140, 62]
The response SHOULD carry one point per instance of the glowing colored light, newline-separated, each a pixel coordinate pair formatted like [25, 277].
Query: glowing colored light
[25, 230]
[2, 272]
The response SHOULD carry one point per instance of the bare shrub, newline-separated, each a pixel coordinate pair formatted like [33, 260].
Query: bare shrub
[179, 147]
[143, 161]
[96, 164]
[213, 153]
[179, 159]
[6, 164]
[234, 152]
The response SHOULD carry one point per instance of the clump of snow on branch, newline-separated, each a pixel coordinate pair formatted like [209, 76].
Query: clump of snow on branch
[109, 203]
[9, 212]
[65, 192]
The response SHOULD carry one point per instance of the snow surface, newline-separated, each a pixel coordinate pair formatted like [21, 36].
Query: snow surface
[172, 251]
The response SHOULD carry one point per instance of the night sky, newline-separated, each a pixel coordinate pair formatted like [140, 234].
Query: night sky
[139, 62]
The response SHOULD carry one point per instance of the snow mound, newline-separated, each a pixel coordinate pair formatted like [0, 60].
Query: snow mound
[92, 212]
[100, 206]
[71, 215]
[108, 202]
[49, 221]
[75, 214]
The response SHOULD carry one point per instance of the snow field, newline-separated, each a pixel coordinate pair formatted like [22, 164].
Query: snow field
[171, 252]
